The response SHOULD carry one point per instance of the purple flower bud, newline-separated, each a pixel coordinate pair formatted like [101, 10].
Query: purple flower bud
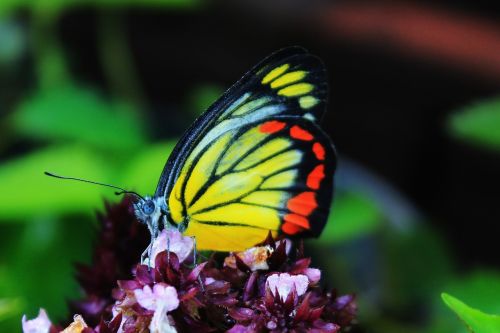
[313, 274]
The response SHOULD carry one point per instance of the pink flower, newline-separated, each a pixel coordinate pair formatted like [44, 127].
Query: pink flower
[284, 283]
[40, 324]
[181, 245]
[161, 296]
[313, 274]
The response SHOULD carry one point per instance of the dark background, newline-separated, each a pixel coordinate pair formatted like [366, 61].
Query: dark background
[398, 73]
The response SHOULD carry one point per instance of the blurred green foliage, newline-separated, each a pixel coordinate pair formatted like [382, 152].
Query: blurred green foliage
[143, 170]
[11, 41]
[202, 96]
[8, 306]
[353, 216]
[10, 6]
[478, 124]
[31, 193]
[70, 113]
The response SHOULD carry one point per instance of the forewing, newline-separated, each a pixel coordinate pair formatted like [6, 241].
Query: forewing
[274, 174]
[290, 82]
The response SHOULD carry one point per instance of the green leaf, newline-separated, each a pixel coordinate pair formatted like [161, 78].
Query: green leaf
[480, 288]
[80, 115]
[478, 124]
[352, 216]
[475, 320]
[27, 192]
[142, 173]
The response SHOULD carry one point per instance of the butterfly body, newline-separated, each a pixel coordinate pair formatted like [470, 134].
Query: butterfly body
[255, 162]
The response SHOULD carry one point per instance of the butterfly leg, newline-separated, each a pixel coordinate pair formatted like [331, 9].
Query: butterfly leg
[166, 227]
[195, 257]
[154, 235]
[145, 255]
[148, 252]
[194, 249]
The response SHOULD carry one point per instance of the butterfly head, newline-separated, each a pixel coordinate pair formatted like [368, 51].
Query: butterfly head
[148, 210]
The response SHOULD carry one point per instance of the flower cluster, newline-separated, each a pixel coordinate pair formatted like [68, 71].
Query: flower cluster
[120, 241]
[259, 290]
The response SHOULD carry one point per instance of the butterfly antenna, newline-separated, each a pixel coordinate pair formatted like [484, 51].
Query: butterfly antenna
[122, 191]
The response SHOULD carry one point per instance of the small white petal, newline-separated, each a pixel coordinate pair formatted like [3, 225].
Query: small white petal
[40, 324]
[160, 323]
[145, 297]
[209, 280]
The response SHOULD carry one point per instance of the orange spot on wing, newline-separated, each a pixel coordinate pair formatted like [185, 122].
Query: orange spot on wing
[290, 228]
[298, 132]
[294, 224]
[298, 220]
[272, 126]
[315, 177]
[319, 151]
[303, 203]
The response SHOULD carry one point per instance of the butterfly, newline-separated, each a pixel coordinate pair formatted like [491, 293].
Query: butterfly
[255, 162]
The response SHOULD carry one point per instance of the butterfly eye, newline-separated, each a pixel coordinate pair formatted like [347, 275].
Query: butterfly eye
[149, 207]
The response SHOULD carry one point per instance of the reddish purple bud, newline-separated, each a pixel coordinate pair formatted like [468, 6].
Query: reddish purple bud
[242, 314]
[249, 289]
[144, 274]
[129, 284]
[193, 276]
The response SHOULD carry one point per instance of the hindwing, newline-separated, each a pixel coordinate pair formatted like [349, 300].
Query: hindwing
[274, 174]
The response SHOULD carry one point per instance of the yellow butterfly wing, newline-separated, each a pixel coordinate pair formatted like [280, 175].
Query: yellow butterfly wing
[256, 162]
